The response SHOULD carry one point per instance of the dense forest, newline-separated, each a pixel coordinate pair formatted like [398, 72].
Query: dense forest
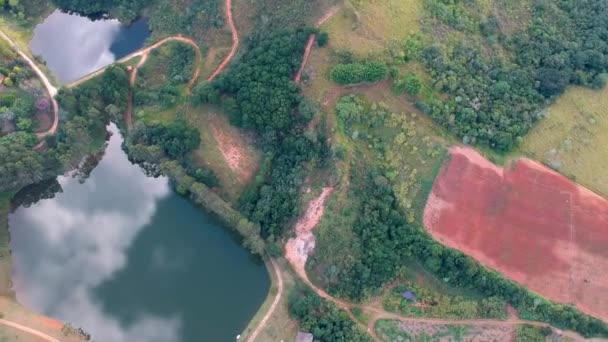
[495, 98]
[258, 94]
[323, 319]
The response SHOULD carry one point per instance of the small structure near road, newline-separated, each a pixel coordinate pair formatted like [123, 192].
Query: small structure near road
[409, 295]
[304, 337]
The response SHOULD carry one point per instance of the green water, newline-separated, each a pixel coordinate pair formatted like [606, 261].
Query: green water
[126, 259]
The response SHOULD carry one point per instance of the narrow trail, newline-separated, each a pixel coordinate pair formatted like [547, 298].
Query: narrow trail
[235, 42]
[311, 41]
[144, 54]
[29, 330]
[270, 311]
[51, 90]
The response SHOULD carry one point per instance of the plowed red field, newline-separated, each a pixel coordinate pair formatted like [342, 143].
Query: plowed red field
[526, 221]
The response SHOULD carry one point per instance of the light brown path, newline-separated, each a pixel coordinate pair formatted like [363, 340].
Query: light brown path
[144, 57]
[28, 330]
[311, 41]
[270, 311]
[141, 53]
[235, 42]
[51, 90]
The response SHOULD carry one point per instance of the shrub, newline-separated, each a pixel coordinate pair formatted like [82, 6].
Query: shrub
[351, 73]
[322, 39]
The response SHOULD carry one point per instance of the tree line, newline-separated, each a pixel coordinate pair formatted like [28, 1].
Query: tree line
[495, 99]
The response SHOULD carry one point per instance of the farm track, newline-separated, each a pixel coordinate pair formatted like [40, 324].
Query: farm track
[235, 42]
[51, 90]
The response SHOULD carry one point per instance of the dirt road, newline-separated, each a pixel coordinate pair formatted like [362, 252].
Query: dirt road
[51, 90]
[311, 41]
[144, 53]
[28, 330]
[270, 311]
[235, 42]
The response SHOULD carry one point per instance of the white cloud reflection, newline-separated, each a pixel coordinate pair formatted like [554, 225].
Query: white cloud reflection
[84, 45]
[64, 248]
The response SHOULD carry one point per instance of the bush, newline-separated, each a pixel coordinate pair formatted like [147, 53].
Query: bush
[322, 39]
[352, 73]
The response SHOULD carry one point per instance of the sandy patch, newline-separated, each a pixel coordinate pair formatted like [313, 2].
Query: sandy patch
[234, 149]
[298, 249]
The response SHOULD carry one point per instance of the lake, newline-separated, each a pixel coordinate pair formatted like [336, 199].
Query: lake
[128, 260]
[74, 46]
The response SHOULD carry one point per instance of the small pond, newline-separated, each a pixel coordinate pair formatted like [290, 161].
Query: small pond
[126, 259]
[74, 46]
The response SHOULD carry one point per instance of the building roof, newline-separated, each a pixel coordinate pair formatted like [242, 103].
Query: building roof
[304, 337]
[409, 295]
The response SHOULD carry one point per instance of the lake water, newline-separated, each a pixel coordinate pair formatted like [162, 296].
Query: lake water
[74, 46]
[127, 260]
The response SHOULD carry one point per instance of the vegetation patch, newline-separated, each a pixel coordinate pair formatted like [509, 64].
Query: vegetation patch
[24, 104]
[571, 136]
[411, 299]
[391, 330]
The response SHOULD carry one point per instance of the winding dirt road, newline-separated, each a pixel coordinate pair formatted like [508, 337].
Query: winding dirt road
[235, 42]
[51, 90]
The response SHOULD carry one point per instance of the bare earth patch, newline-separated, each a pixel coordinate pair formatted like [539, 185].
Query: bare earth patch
[530, 223]
[234, 149]
[299, 248]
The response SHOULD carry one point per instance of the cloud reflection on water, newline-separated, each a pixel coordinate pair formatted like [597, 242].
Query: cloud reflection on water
[84, 45]
[66, 247]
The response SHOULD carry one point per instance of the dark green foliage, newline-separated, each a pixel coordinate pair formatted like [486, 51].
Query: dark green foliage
[187, 18]
[258, 93]
[352, 73]
[176, 139]
[322, 39]
[261, 83]
[20, 164]
[495, 100]
[528, 333]
[323, 319]
[409, 83]
[124, 9]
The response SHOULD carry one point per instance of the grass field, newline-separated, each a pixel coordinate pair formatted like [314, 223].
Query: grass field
[390, 331]
[225, 149]
[365, 26]
[572, 138]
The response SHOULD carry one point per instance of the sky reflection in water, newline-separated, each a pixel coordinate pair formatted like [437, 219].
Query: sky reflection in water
[74, 46]
[68, 246]
[129, 261]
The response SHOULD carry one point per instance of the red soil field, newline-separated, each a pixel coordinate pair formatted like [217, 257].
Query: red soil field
[526, 221]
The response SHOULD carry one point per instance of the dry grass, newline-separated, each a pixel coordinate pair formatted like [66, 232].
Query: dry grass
[365, 26]
[215, 129]
[572, 138]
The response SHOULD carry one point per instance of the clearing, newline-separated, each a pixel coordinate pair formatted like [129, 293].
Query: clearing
[393, 330]
[528, 222]
[572, 137]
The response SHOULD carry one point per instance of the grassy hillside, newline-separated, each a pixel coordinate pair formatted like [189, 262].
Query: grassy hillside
[571, 138]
